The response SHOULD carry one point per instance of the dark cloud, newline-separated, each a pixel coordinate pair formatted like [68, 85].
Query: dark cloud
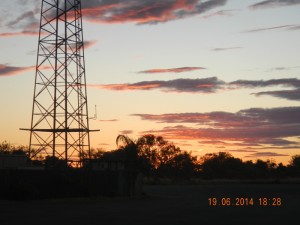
[26, 24]
[6, 70]
[27, 20]
[209, 85]
[252, 117]
[280, 115]
[87, 44]
[273, 147]
[296, 27]
[279, 142]
[213, 118]
[145, 12]
[285, 94]
[265, 154]
[274, 3]
[257, 126]
[284, 27]
[212, 142]
[247, 135]
[275, 143]
[172, 70]
[281, 68]
[289, 82]
[205, 85]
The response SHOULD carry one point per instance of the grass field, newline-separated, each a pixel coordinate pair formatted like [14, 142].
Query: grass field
[162, 205]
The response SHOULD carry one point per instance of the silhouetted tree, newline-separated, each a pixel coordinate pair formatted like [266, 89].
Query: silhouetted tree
[281, 171]
[184, 165]
[129, 148]
[94, 153]
[7, 148]
[221, 165]
[295, 161]
[294, 165]
[153, 156]
[163, 158]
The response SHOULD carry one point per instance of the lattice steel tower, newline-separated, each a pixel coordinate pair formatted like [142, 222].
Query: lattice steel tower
[60, 123]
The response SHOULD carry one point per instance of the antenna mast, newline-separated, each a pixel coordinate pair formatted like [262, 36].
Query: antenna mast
[60, 122]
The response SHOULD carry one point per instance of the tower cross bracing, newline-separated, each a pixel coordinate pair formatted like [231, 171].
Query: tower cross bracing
[60, 123]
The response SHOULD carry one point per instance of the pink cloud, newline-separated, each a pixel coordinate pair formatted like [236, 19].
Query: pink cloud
[145, 12]
[122, 87]
[112, 120]
[204, 85]
[250, 127]
[173, 70]
[6, 70]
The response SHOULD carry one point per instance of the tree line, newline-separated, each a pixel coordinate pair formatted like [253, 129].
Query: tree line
[156, 157]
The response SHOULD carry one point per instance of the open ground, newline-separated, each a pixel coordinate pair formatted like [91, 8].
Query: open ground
[162, 205]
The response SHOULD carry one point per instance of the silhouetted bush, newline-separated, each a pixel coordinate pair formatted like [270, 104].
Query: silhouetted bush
[158, 158]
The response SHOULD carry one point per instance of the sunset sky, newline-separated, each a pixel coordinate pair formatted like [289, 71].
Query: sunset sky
[210, 76]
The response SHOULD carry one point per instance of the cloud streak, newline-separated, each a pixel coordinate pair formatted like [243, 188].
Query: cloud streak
[287, 82]
[6, 70]
[173, 70]
[88, 44]
[105, 121]
[282, 27]
[285, 94]
[274, 3]
[225, 49]
[205, 85]
[265, 154]
[21, 33]
[221, 13]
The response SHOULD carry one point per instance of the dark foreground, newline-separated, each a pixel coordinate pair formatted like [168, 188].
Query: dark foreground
[163, 205]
